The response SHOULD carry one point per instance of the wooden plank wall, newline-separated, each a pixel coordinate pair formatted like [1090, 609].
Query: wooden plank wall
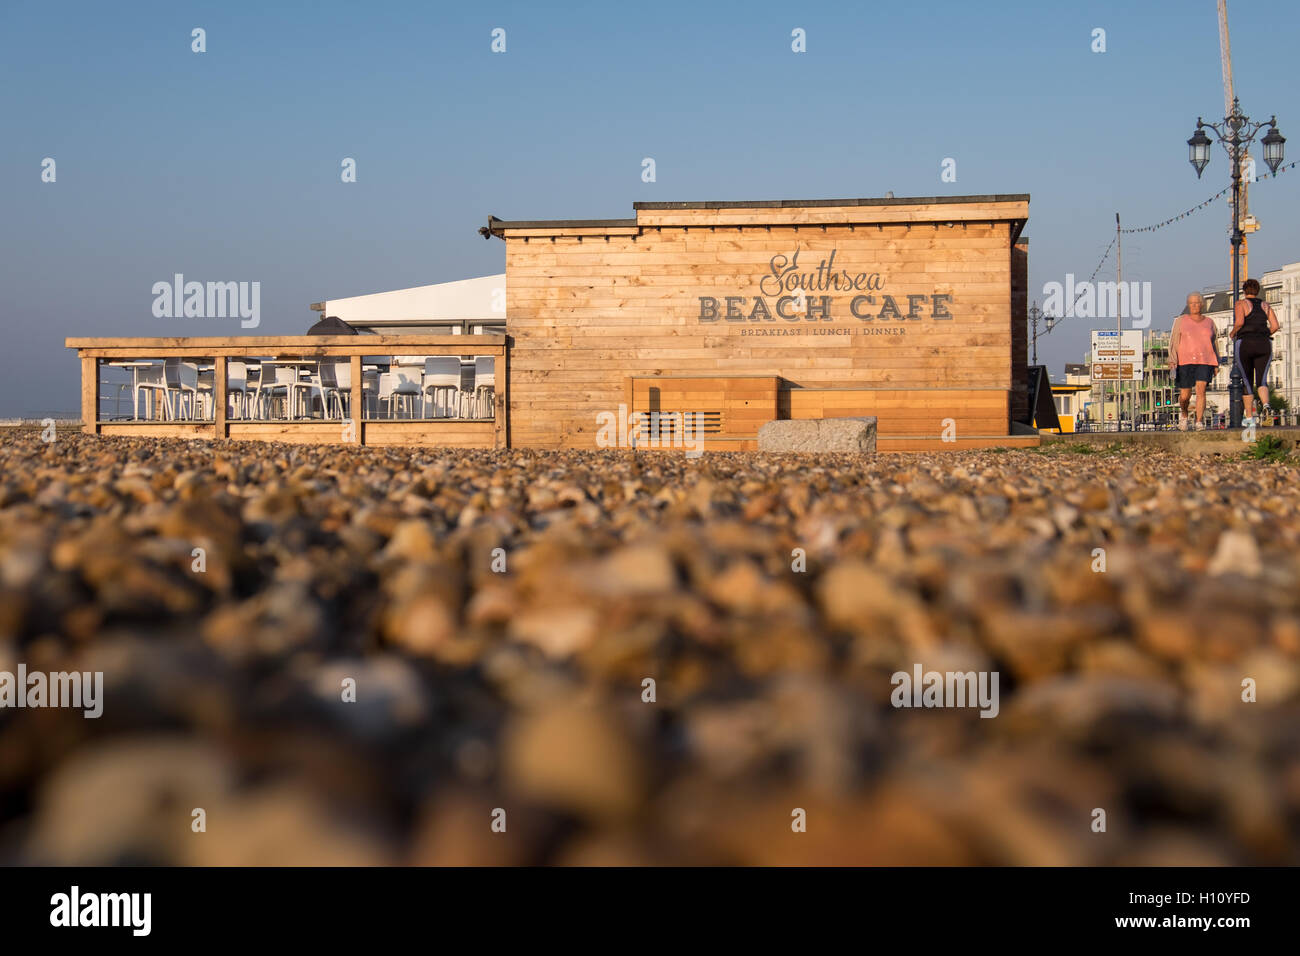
[938, 419]
[588, 311]
[743, 403]
[902, 413]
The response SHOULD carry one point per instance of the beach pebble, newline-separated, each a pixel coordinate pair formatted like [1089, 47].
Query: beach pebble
[1236, 553]
[576, 758]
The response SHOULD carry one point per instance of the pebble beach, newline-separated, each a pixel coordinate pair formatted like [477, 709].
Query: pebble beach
[355, 656]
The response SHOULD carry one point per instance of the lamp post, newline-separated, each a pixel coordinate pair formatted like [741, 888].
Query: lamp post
[1236, 132]
[1035, 313]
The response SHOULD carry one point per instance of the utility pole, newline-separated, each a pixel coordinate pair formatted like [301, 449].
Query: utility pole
[1119, 332]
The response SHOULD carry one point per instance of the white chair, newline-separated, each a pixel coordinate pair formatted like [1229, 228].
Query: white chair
[264, 395]
[442, 381]
[485, 383]
[285, 384]
[182, 386]
[335, 383]
[151, 382]
[174, 386]
[400, 388]
[253, 374]
[183, 383]
[237, 389]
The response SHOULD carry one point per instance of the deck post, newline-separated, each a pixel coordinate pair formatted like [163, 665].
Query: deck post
[90, 395]
[356, 403]
[219, 382]
[501, 411]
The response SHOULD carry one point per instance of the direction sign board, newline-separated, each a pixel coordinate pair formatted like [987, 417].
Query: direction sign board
[1116, 356]
[1111, 372]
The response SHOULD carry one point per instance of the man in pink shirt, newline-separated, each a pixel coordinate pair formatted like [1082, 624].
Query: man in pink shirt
[1193, 357]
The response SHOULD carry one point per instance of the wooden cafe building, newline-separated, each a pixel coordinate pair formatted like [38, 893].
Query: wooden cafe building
[911, 310]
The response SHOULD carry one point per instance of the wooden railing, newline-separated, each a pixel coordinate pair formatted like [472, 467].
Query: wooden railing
[356, 429]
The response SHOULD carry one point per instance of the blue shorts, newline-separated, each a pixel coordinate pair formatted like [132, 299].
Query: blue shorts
[1188, 375]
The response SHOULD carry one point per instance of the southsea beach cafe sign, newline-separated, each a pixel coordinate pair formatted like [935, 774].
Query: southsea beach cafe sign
[810, 296]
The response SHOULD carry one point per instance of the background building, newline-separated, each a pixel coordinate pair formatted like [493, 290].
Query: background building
[1077, 373]
[1157, 398]
[1070, 401]
[1072, 395]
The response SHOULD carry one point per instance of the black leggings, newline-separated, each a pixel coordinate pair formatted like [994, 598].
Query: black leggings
[1254, 352]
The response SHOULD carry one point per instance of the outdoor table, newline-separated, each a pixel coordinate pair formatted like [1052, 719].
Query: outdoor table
[304, 368]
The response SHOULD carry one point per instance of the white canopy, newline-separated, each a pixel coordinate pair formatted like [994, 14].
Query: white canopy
[466, 300]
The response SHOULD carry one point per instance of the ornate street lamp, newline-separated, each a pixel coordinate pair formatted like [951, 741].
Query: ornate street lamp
[1035, 313]
[1236, 132]
[1274, 146]
[1199, 147]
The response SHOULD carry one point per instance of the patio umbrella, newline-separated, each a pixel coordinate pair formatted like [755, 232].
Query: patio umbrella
[331, 325]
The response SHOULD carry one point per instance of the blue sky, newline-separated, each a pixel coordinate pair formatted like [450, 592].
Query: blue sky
[225, 165]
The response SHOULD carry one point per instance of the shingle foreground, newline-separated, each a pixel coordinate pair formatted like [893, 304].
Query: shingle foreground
[1120, 689]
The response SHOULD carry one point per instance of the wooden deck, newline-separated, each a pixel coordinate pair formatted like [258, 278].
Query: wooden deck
[451, 433]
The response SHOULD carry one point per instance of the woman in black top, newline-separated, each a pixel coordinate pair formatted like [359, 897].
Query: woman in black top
[1253, 327]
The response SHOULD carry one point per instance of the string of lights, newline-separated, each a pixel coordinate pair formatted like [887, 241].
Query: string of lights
[1170, 221]
[1201, 205]
[1101, 262]
[1054, 321]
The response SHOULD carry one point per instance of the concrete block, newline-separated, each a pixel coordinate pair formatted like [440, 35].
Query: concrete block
[853, 435]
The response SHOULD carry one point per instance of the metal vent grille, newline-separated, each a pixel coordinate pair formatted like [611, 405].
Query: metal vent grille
[666, 425]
